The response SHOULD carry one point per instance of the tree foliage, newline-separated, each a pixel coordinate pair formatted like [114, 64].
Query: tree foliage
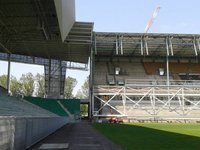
[27, 82]
[40, 83]
[84, 110]
[85, 88]
[29, 85]
[3, 81]
[15, 86]
[79, 94]
[83, 93]
[70, 83]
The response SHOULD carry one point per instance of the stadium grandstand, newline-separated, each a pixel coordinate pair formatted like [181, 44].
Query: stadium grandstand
[132, 75]
[146, 76]
[43, 33]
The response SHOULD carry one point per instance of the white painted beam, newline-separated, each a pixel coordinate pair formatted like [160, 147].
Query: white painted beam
[66, 16]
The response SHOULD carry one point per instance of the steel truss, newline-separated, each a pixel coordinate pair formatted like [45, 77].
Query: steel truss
[152, 102]
[55, 71]
[140, 44]
[41, 61]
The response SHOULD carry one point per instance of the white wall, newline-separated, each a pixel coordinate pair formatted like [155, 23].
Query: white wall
[66, 15]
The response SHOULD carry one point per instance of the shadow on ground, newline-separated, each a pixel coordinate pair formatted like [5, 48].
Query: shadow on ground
[79, 136]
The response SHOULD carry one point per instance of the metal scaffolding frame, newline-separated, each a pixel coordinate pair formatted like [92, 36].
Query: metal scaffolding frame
[146, 44]
[146, 98]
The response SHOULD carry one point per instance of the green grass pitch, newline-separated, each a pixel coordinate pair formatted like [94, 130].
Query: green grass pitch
[153, 136]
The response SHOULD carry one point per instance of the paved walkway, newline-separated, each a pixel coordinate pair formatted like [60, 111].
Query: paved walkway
[80, 136]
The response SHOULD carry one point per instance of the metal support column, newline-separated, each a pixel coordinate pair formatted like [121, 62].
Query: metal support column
[117, 46]
[95, 45]
[154, 103]
[91, 82]
[146, 46]
[195, 47]
[183, 101]
[62, 80]
[49, 77]
[8, 75]
[124, 100]
[121, 45]
[141, 45]
[167, 67]
[171, 46]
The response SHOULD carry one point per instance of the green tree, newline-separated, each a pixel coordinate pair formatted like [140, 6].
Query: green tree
[15, 86]
[40, 89]
[79, 94]
[27, 82]
[85, 88]
[3, 81]
[83, 93]
[84, 110]
[70, 83]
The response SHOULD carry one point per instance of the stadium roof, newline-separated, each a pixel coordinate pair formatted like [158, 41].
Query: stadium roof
[47, 29]
[44, 28]
[147, 44]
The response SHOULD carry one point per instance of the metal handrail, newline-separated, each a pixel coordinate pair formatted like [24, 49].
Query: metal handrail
[150, 82]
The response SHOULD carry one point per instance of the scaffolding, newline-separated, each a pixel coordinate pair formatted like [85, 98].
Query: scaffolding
[146, 98]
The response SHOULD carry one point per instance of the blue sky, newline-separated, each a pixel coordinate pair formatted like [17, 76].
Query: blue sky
[175, 16]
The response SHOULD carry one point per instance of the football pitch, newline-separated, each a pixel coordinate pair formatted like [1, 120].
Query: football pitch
[153, 136]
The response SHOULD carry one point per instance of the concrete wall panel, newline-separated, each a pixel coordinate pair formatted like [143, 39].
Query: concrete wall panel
[7, 128]
[21, 133]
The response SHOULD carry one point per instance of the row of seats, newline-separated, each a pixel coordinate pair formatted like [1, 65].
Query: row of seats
[37, 107]
[152, 68]
[104, 72]
[12, 106]
[115, 80]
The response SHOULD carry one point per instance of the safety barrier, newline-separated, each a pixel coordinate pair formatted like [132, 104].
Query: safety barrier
[52, 105]
[18, 133]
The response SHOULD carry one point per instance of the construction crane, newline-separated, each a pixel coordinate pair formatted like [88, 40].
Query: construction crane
[153, 17]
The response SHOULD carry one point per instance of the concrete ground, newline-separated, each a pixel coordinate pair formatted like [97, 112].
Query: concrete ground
[79, 136]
